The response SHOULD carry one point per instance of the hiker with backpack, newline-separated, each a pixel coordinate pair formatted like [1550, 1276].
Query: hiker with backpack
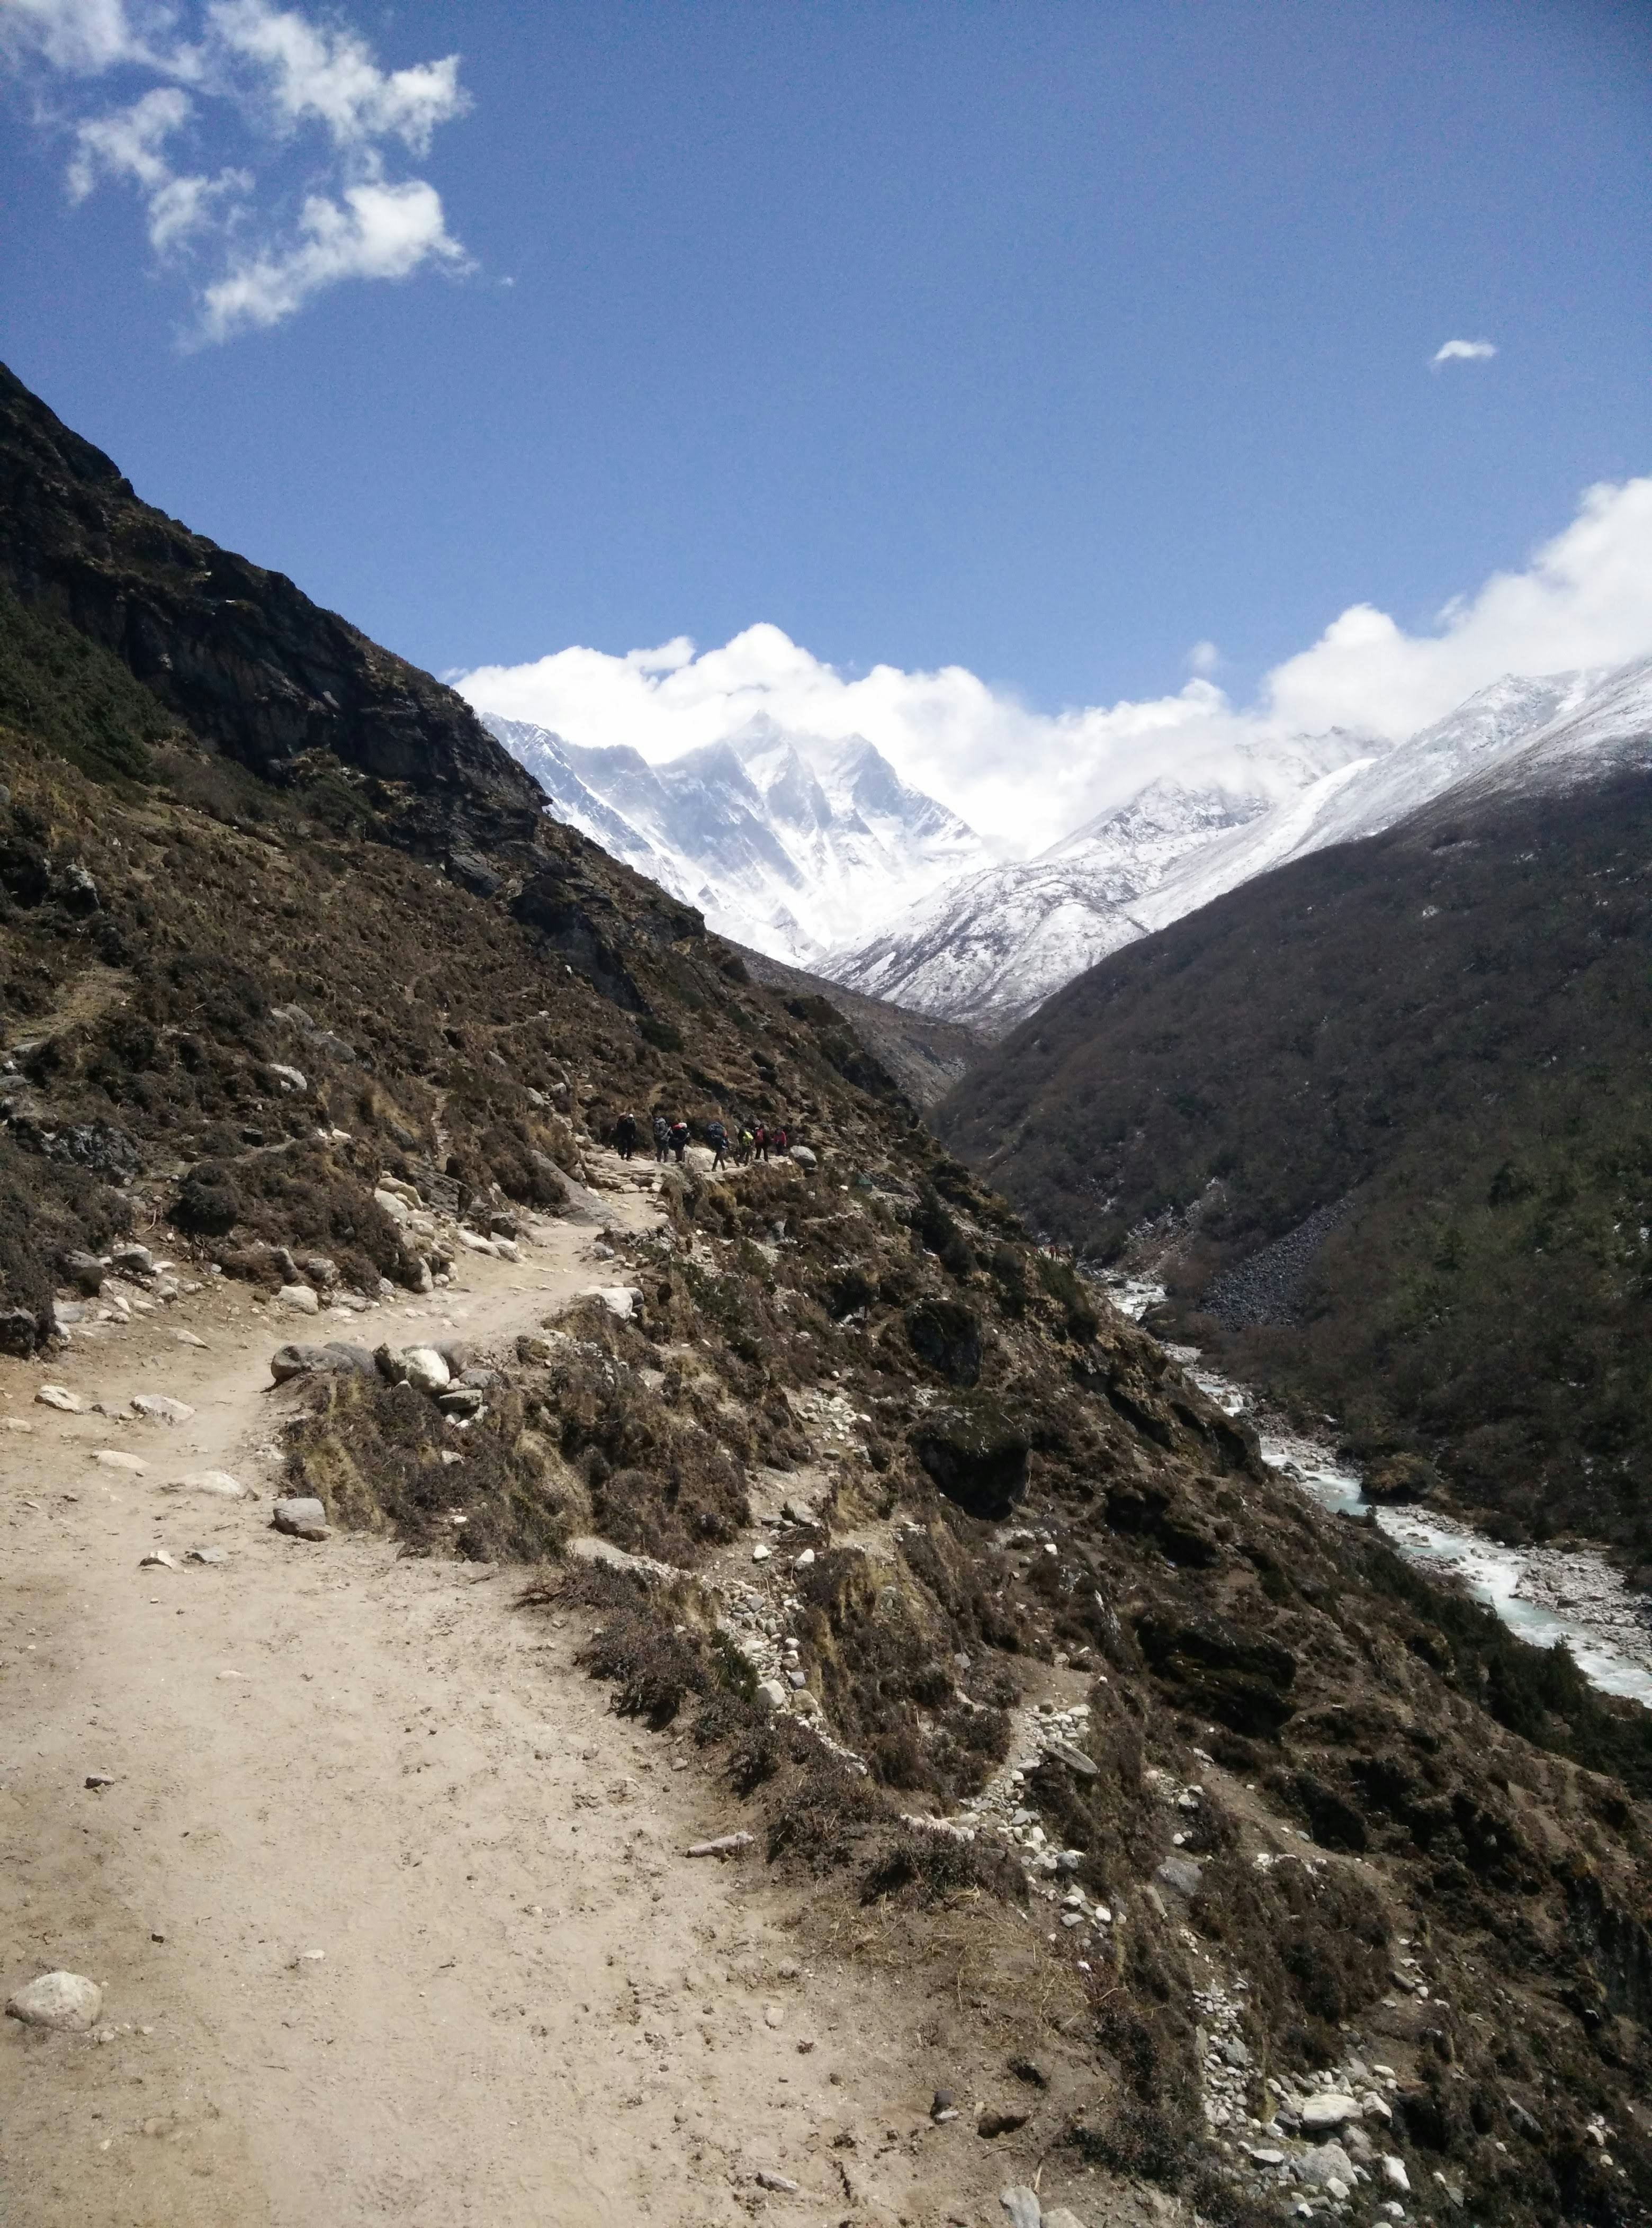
[678, 1138]
[625, 1135]
[662, 1138]
[717, 1138]
[760, 1142]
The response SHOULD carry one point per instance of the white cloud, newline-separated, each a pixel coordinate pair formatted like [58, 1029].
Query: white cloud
[80, 37]
[330, 77]
[381, 232]
[1025, 777]
[268, 74]
[1462, 352]
[1204, 657]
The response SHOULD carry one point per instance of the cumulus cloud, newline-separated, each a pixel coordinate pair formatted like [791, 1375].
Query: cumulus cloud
[1462, 352]
[381, 232]
[1027, 776]
[255, 252]
[1204, 657]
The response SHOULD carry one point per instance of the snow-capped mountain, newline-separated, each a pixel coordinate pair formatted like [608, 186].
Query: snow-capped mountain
[993, 945]
[789, 844]
[987, 948]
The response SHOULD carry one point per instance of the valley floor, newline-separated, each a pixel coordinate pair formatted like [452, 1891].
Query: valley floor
[391, 1913]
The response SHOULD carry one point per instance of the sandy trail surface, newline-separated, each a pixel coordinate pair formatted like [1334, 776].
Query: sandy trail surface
[390, 1911]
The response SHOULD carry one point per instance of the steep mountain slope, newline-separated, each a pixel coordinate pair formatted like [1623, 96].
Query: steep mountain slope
[1385, 1116]
[786, 842]
[924, 1055]
[1128, 1747]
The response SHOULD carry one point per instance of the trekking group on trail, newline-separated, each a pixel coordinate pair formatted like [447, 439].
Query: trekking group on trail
[671, 1140]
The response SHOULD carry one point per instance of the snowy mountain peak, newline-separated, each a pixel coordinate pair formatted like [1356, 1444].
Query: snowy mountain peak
[789, 843]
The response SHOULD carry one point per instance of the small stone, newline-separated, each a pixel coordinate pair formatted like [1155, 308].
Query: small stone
[66, 2001]
[797, 1680]
[160, 1408]
[302, 1518]
[212, 1556]
[1182, 1874]
[782, 2184]
[773, 2016]
[158, 1559]
[100, 1779]
[1394, 2174]
[943, 2101]
[1061, 2217]
[1075, 1759]
[156, 1935]
[771, 1694]
[805, 1561]
[761, 1554]
[133, 1260]
[59, 1397]
[1022, 2205]
[302, 1299]
[788, 1969]
[1267, 2156]
[189, 1338]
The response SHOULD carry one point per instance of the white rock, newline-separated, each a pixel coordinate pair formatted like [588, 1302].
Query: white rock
[1022, 2205]
[477, 1242]
[112, 1458]
[160, 1408]
[157, 1559]
[771, 1694]
[804, 1157]
[1062, 2217]
[303, 1517]
[1394, 2174]
[189, 1338]
[805, 1560]
[302, 1299]
[211, 1555]
[1329, 2109]
[65, 2001]
[397, 1209]
[209, 1481]
[761, 1554]
[59, 1396]
[288, 1079]
[425, 1370]
[620, 1300]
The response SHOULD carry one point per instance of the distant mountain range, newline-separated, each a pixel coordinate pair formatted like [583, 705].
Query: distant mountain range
[818, 854]
[791, 843]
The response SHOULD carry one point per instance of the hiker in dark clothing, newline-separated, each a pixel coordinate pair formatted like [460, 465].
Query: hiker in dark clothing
[679, 1138]
[625, 1135]
[717, 1138]
[760, 1142]
[661, 1136]
[779, 1143]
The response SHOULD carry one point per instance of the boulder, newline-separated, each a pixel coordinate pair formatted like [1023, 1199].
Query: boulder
[1022, 2205]
[132, 1261]
[1325, 2163]
[83, 1271]
[59, 1397]
[66, 2001]
[423, 1368]
[804, 1157]
[302, 1518]
[334, 1358]
[1181, 1874]
[218, 1482]
[771, 1694]
[976, 1455]
[161, 1408]
[1329, 2109]
[301, 1299]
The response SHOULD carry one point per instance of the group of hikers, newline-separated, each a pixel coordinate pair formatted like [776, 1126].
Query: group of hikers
[754, 1142]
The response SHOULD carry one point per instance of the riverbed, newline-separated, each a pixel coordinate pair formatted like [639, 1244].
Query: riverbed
[1546, 1595]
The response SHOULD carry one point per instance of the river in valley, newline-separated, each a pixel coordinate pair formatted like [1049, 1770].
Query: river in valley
[1546, 1595]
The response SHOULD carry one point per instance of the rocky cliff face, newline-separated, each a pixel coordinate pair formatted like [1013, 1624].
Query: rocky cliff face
[250, 666]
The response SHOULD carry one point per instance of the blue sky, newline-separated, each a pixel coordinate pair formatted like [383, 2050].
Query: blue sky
[1043, 340]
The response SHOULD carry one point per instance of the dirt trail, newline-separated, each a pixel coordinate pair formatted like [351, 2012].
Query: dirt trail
[528, 2007]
